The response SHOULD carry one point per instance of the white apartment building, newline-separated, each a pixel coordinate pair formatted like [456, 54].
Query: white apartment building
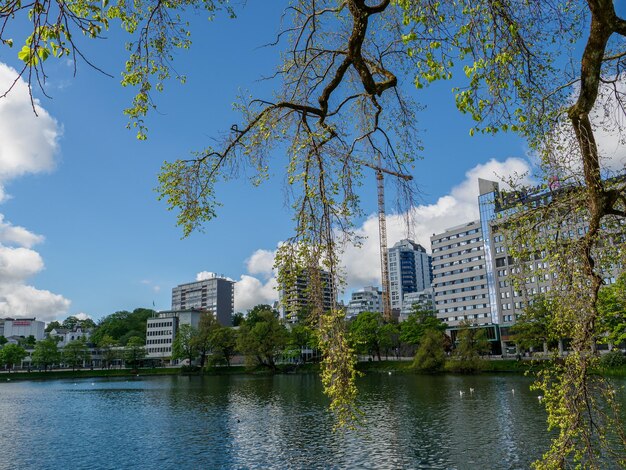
[368, 299]
[460, 275]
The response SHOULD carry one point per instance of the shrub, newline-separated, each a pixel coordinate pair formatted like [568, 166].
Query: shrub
[612, 359]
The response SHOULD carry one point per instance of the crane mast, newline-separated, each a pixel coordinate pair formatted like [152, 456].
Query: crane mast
[382, 232]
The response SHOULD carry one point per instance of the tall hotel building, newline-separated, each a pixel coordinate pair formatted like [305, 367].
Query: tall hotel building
[297, 299]
[460, 275]
[410, 271]
[216, 295]
[473, 270]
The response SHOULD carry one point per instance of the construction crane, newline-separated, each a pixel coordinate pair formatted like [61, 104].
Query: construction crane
[382, 230]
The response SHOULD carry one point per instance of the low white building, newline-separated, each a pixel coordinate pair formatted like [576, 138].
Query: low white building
[22, 327]
[161, 330]
[65, 335]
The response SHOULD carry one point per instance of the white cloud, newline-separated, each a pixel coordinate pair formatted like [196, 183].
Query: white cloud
[18, 264]
[14, 235]
[204, 275]
[19, 300]
[250, 291]
[28, 144]
[261, 262]
[83, 316]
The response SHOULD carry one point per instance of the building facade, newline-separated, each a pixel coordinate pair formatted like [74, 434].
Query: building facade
[215, 295]
[425, 300]
[161, 330]
[475, 273]
[22, 327]
[410, 270]
[368, 299]
[67, 335]
[460, 275]
[297, 300]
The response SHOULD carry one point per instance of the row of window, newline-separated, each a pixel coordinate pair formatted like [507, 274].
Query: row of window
[459, 271]
[454, 245]
[466, 317]
[159, 332]
[457, 253]
[457, 235]
[461, 261]
[462, 299]
[159, 350]
[159, 324]
[459, 281]
[463, 289]
[159, 341]
[466, 307]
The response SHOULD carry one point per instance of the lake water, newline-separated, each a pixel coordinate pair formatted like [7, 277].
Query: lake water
[269, 422]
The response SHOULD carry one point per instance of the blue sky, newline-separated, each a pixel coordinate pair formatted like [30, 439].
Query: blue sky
[102, 240]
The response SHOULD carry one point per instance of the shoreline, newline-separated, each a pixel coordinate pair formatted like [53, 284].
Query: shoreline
[373, 367]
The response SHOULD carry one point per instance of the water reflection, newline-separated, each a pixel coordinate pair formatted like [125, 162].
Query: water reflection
[270, 422]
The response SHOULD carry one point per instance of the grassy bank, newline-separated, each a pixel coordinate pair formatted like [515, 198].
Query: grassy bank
[368, 367]
[86, 373]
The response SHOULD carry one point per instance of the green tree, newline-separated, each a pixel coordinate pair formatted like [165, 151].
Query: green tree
[76, 353]
[366, 333]
[430, 355]
[417, 323]
[262, 337]
[12, 354]
[134, 352]
[223, 344]
[534, 327]
[207, 325]
[28, 342]
[302, 337]
[185, 345]
[3, 341]
[471, 344]
[238, 318]
[46, 353]
[52, 326]
[123, 325]
[106, 345]
[390, 339]
[612, 310]
[70, 322]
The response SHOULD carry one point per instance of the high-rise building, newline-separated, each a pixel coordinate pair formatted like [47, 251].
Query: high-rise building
[368, 299]
[215, 295]
[297, 299]
[474, 271]
[410, 270]
[460, 275]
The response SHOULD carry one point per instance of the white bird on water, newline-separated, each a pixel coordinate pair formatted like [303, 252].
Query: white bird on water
[471, 390]
[461, 392]
[540, 397]
[513, 391]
